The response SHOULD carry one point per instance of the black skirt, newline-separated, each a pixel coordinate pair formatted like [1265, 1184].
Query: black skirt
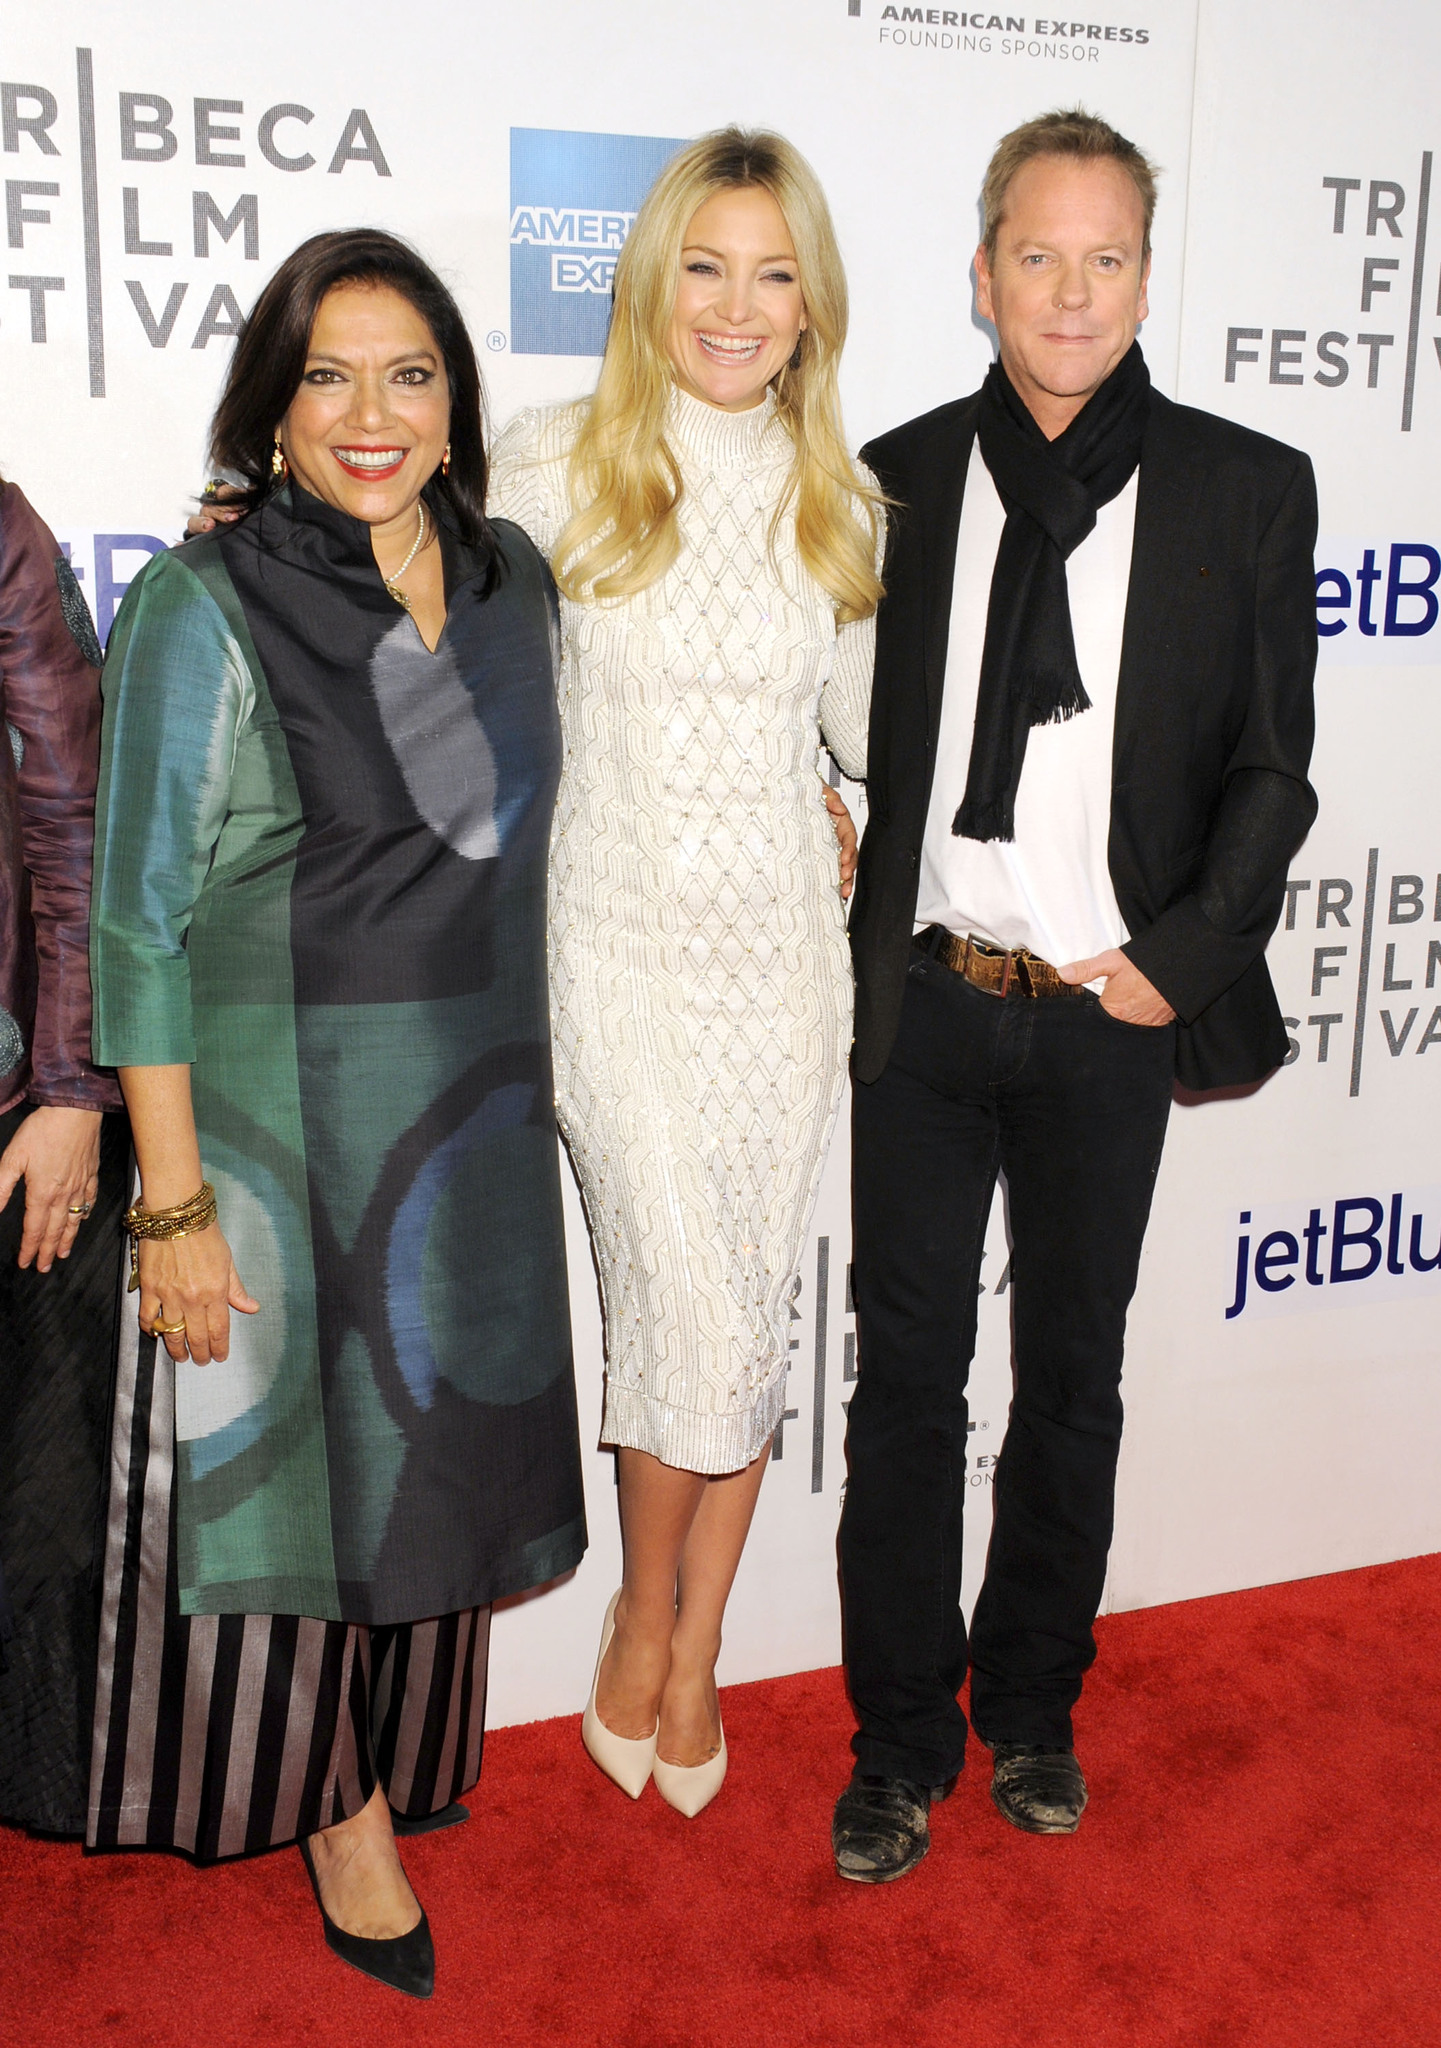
[57, 1351]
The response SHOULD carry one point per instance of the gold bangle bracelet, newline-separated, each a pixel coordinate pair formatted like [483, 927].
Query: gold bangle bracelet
[175, 1221]
[184, 1219]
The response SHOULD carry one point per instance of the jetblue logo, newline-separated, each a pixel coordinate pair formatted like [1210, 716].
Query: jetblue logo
[1360, 1248]
[573, 200]
[1378, 601]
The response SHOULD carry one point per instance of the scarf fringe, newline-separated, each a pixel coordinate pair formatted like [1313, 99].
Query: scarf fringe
[984, 821]
[1070, 702]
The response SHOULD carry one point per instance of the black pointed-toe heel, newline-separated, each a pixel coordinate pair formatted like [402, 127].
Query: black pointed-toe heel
[406, 1962]
[427, 1823]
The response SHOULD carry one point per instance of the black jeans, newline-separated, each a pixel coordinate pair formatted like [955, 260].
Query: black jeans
[1070, 1105]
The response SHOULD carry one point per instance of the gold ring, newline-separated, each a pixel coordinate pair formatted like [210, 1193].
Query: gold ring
[167, 1329]
[80, 1208]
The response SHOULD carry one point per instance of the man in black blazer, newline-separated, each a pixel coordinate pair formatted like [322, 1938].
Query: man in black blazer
[1089, 741]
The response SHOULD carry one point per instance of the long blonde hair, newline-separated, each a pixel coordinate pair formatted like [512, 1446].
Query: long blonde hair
[624, 479]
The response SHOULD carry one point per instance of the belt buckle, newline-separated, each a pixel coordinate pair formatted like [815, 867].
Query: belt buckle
[976, 949]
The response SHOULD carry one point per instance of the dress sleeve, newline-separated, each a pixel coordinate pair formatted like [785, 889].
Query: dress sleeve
[845, 709]
[177, 692]
[527, 478]
[50, 660]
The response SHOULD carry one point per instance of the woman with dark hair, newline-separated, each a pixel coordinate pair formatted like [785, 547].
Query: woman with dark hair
[62, 1182]
[330, 758]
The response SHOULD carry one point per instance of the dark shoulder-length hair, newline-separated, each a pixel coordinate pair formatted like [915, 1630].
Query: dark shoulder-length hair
[269, 362]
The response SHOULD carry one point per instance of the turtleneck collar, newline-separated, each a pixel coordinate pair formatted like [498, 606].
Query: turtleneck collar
[298, 525]
[296, 515]
[726, 440]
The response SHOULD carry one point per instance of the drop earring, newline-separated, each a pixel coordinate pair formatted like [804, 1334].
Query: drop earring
[795, 361]
[445, 461]
[278, 464]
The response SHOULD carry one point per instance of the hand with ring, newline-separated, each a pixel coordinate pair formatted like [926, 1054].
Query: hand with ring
[188, 1286]
[56, 1152]
[217, 508]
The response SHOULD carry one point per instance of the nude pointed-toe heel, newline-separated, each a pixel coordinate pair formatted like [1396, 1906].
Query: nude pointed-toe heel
[689, 1787]
[628, 1762]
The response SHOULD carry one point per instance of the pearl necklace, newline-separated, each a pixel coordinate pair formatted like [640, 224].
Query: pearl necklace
[392, 582]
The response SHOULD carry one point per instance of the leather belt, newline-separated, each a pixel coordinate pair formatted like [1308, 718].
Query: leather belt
[992, 969]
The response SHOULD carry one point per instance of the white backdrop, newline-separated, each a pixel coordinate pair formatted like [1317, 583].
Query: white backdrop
[159, 162]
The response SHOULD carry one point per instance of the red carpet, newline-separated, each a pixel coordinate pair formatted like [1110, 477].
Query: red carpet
[1261, 1864]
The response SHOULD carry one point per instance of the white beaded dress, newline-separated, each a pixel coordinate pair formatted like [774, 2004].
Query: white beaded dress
[701, 989]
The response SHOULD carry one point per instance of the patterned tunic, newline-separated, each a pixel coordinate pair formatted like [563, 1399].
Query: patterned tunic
[700, 979]
[320, 877]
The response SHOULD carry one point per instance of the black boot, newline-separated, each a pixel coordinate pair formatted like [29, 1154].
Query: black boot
[882, 1827]
[1040, 1790]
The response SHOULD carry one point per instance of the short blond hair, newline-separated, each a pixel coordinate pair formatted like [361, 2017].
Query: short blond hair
[625, 481]
[1067, 131]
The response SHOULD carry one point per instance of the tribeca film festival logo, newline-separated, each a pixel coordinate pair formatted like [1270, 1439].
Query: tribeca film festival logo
[979, 32]
[1360, 1249]
[1372, 944]
[573, 200]
[1377, 231]
[815, 1305]
[165, 186]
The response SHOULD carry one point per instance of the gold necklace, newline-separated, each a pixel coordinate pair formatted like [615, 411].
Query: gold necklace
[392, 582]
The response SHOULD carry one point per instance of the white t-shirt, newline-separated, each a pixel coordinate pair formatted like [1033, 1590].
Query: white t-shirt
[1049, 888]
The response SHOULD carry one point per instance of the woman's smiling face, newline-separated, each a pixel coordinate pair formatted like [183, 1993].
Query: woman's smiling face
[739, 310]
[368, 426]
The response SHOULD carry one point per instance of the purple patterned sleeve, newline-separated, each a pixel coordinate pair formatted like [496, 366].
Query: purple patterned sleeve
[50, 700]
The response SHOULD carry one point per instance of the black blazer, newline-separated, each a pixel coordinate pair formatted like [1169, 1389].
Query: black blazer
[1214, 722]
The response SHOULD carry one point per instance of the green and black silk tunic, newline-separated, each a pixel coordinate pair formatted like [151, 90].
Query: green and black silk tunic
[320, 879]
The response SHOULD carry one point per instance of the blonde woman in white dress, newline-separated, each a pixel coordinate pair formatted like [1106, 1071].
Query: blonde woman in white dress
[716, 552]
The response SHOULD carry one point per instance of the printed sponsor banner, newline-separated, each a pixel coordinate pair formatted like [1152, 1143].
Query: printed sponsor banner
[980, 32]
[1358, 959]
[157, 166]
[572, 201]
[1350, 1252]
[1373, 269]
[1377, 602]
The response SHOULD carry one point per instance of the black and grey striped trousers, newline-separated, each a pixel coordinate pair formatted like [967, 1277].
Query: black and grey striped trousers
[224, 1734]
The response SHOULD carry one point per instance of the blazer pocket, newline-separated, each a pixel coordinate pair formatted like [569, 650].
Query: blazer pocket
[1183, 870]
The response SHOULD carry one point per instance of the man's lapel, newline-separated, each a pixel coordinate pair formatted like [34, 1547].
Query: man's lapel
[1171, 482]
[941, 525]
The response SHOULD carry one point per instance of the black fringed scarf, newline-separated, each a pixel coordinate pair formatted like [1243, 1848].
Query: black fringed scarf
[1052, 491]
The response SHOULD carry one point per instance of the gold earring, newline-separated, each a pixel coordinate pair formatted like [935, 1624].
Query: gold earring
[278, 464]
[445, 461]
